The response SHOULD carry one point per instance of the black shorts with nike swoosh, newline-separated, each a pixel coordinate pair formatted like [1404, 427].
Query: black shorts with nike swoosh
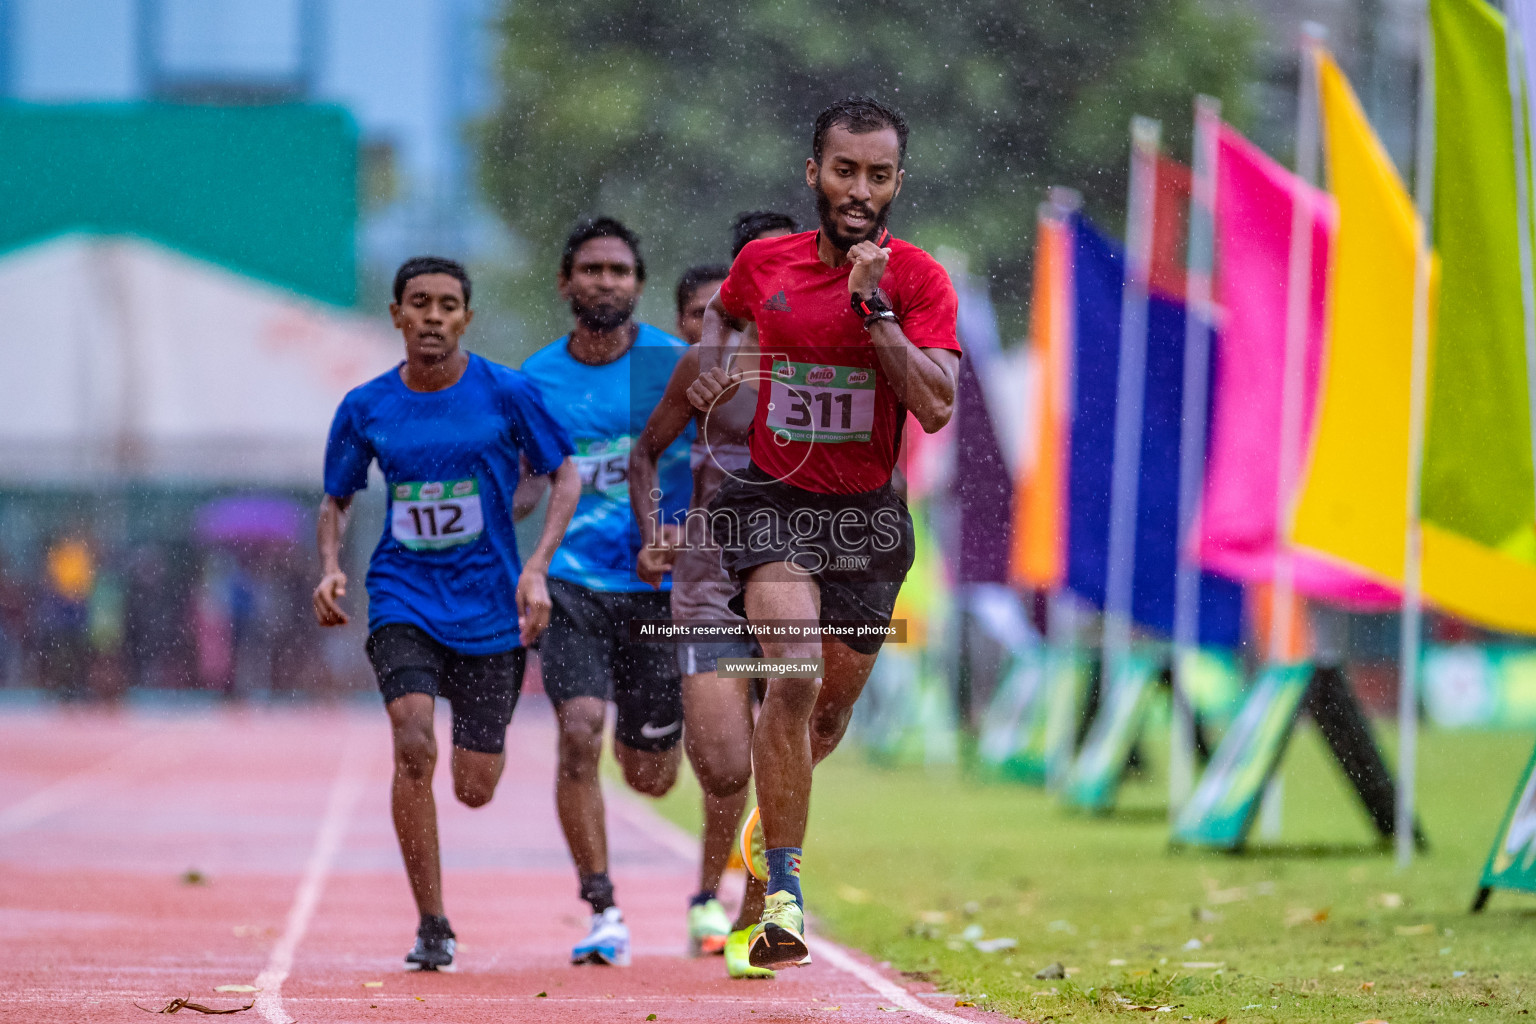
[586, 652]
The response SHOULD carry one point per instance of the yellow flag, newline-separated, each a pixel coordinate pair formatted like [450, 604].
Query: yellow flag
[1354, 502]
[1354, 499]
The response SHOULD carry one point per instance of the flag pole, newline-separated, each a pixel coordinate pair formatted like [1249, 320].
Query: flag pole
[1408, 649]
[1130, 395]
[1060, 608]
[1298, 295]
[1298, 302]
[1514, 42]
[1195, 400]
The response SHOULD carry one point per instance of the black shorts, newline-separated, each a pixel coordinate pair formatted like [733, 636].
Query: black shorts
[481, 689]
[857, 547]
[694, 658]
[586, 652]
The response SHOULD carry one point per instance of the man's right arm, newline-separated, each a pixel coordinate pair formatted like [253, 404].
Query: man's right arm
[668, 420]
[713, 377]
[333, 582]
[530, 491]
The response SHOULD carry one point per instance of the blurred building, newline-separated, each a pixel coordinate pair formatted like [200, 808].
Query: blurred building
[185, 179]
[413, 74]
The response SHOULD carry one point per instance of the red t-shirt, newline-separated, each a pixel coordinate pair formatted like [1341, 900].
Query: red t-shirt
[827, 419]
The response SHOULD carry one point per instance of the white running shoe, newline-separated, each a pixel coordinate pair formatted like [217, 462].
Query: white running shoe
[607, 942]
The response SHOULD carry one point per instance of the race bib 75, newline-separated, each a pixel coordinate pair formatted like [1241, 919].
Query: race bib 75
[603, 466]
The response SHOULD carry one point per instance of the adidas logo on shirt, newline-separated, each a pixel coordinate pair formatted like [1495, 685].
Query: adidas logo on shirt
[777, 302]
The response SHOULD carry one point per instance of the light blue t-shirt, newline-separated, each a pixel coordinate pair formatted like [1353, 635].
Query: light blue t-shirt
[447, 562]
[603, 409]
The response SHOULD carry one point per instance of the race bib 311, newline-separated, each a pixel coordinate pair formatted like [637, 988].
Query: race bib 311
[821, 403]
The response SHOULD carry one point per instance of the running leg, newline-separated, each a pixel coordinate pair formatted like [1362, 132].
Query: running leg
[652, 772]
[718, 737]
[415, 811]
[578, 791]
[483, 692]
[475, 775]
[847, 670]
[648, 706]
[782, 759]
[781, 741]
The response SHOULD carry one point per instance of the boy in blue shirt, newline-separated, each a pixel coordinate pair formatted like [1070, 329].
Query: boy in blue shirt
[449, 607]
[601, 382]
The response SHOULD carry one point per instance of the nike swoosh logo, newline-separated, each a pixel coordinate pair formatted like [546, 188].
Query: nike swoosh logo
[651, 732]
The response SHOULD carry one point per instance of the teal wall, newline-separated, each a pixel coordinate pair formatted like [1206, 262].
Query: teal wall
[267, 191]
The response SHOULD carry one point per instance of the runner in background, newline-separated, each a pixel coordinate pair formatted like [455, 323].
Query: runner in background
[449, 607]
[717, 712]
[601, 381]
[856, 328]
[751, 226]
[694, 290]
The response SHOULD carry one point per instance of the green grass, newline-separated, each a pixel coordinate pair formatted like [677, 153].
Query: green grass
[1318, 927]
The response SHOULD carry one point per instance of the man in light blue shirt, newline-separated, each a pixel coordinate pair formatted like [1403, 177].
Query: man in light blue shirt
[600, 383]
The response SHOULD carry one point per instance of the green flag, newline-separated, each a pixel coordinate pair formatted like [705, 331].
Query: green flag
[1477, 458]
[1512, 861]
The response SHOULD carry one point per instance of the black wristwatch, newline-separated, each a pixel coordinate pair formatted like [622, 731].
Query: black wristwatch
[875, 307]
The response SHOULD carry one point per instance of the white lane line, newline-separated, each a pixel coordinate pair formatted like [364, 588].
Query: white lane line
[898, 997]
[686, 846]
[345, 789]
[107, 774]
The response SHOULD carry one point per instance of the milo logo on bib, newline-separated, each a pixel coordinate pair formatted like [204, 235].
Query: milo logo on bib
[821, 403]
[435, 514]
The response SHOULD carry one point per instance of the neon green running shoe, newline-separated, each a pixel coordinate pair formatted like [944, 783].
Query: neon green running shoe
[754, 848]
[708, 928]
[736, 963]
[779, 939]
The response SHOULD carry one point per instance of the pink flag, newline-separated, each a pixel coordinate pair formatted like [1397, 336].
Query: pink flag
[1255, 205]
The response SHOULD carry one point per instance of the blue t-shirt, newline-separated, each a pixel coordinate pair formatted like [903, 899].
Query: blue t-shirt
[603, 409]
[447, 561]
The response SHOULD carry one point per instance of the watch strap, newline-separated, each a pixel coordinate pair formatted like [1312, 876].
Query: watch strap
[868, 306]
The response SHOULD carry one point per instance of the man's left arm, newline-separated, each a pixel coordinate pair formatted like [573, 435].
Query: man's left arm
[533, 603]
[925, 379]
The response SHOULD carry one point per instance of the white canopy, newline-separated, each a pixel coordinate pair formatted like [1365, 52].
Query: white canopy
[125, 360]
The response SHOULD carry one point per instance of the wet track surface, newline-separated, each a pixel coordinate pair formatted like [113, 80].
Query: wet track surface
[281, 817]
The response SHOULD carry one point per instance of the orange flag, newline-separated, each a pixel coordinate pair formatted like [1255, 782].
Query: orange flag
[1038, 555]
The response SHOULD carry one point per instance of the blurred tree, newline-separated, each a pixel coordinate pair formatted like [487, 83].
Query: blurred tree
[674, 115]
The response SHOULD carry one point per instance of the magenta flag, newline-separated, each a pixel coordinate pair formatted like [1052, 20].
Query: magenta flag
[1256, 201]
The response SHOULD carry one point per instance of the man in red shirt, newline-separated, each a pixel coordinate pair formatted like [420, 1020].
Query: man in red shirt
[855, 329]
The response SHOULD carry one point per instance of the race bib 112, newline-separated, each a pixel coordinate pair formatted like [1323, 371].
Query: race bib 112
[820, 402]
[429, 516]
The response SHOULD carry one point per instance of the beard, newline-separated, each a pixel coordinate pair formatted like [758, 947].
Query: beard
[603, 316]
[829, 226]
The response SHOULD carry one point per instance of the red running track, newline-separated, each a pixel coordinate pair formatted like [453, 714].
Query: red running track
[284, 815]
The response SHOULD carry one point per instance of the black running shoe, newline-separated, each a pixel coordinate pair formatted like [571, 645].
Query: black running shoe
[434, 946]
